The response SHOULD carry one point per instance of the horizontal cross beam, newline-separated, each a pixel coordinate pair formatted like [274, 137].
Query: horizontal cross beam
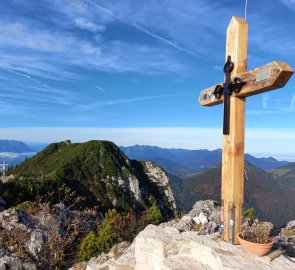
[262, 79]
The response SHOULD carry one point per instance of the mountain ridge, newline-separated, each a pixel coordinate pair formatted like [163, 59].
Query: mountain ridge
[183, 161]
[103, 172]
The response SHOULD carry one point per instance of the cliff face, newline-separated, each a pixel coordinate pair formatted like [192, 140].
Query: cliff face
[158, 176]
[100, 171]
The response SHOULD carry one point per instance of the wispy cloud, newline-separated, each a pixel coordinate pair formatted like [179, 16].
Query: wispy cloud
[169, 42]
[190, 29]
[289, 4]
[218, 68]
[87, 25]
[90, 106]
[271, 105]
[39, 91]
[266, 39]
[71, 50]
[100, 88]
[126, 20]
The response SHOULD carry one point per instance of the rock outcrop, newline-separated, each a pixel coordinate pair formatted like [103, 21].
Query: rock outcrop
[25, 237]
[191, 243]
[286, 239]
[166, 248]
[204, 218]
[14, 263]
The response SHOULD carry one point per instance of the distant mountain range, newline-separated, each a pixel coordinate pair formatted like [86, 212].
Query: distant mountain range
[14, 146]
[175, 161]
[103, 173]
[14, 152]
[183, 161]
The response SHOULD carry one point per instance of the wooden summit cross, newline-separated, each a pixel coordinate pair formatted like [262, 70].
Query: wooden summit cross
[238, 85]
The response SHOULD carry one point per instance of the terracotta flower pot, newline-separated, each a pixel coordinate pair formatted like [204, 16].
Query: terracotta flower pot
[256, 248]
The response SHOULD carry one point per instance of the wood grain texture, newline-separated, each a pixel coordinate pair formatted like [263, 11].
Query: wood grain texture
[278, 75]
[232, 191]
[268, 77]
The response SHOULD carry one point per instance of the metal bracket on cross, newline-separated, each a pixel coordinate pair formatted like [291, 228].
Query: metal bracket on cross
[226, 89]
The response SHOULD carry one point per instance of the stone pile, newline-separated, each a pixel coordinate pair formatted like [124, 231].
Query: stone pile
[204, 218]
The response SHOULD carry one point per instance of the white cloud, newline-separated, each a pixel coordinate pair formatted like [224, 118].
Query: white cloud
[166, 41]
[289, 4]
[15, 155]
[274, 105]
[279, 143]
[27, 88]
[19, 35]
[90, 106]
[84, 23]
[100, 88]
[218, 68]
[51, 61]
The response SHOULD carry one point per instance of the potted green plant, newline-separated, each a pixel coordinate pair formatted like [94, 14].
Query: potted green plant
[255, 237]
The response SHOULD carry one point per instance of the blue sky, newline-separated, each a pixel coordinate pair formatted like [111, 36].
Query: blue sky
[131, 71]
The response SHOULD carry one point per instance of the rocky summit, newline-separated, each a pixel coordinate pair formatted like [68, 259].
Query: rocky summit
[190, 243]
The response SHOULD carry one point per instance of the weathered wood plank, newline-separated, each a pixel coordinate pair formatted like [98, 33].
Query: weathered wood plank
[232, 192]
[271, 76]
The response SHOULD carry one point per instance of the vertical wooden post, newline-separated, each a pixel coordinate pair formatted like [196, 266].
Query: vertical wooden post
[232, 191]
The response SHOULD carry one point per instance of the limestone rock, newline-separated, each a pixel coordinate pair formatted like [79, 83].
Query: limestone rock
[134, 187]
[209, 208]
[185, 224]
[15, 217]
[8, 262]
[38, 227]
[165, 248]
[203, 218]
[36, 242]
[159, 176]
[121, 257]
[286, 239]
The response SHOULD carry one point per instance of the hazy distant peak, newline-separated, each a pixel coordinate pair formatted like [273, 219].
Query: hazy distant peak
[14, 146]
